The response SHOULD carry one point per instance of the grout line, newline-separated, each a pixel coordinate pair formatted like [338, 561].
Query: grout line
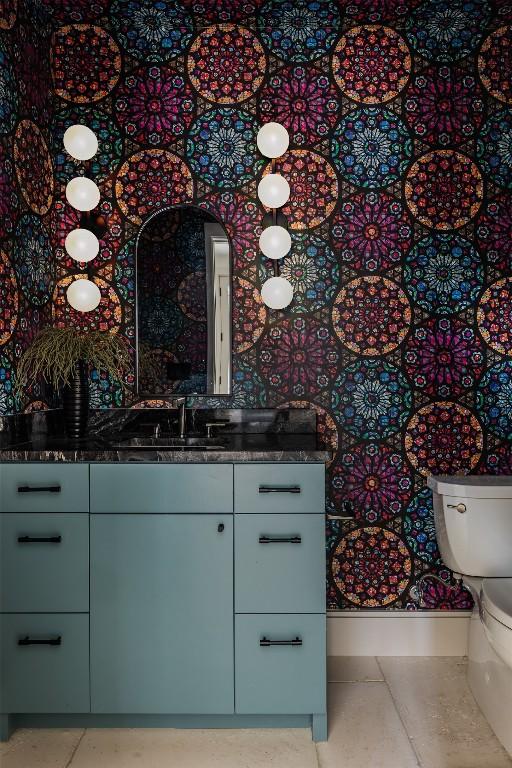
[317, 755]
[397, 710]
[75, 750]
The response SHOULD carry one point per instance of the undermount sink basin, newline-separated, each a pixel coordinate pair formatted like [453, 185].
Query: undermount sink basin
[170, 443]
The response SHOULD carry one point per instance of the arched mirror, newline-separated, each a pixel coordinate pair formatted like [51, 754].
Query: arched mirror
[183, 327]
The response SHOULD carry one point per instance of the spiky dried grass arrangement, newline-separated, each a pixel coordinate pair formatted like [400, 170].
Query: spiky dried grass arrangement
[54, 353]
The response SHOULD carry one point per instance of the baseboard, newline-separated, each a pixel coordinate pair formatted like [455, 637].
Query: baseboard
[397, 633]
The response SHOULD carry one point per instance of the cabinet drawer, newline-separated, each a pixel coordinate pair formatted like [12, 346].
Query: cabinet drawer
[280, 679]
[279, 563]
[44, 563]
[44, 487]
[41, 677]
[298, 488]
[162, 488]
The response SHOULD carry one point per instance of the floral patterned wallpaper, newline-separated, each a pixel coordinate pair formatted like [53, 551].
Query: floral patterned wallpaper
[400, 166]
[27, 270]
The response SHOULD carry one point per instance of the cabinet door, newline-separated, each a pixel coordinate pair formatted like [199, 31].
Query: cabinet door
[162, 614]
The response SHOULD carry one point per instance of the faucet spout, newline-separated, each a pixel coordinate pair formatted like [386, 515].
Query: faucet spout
[182, 416]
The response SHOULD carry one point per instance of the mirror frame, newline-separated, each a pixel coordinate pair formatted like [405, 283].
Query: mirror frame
[174, 396]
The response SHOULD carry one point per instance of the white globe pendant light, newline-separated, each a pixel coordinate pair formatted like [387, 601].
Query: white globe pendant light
[273, 190]
[83, 295]
[80, 142]
[82, 193]
[82, 245]
[272, 140]
[277, 292]
[274, 193]
[275, 242]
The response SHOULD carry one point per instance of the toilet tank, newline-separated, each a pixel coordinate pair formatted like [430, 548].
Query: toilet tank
[473, 518]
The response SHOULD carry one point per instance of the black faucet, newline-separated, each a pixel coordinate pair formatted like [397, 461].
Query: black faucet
[181, 403]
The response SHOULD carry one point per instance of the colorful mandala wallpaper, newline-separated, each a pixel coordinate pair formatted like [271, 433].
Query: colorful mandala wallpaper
[400, 166]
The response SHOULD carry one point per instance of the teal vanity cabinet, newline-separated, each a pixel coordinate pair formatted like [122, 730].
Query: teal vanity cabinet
[44, 589]
[280, 623]
[186, 594]
[162, 588]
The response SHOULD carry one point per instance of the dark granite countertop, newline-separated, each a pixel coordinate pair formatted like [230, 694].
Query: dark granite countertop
[260, 435]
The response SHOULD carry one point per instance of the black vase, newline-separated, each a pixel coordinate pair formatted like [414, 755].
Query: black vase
[75, 401]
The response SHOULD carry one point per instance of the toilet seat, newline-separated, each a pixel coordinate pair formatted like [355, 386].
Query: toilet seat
[497, 600]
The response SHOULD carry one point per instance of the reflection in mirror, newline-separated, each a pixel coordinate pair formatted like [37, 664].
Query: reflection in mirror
[183, 271]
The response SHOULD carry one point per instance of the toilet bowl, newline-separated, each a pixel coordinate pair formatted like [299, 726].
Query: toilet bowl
[473, 519]
[496, 616]
[489, 675]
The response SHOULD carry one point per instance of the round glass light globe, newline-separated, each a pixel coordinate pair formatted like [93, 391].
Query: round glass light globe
[82, 193]
[277, 292]
[272, 139]
[82, 245]
[275, 242]
[273, 190]
[80, 142]
[83, 295]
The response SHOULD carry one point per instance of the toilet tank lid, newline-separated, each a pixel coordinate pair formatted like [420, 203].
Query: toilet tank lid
[472, 486]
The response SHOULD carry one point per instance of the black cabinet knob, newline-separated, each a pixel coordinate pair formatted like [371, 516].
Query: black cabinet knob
[220, 527]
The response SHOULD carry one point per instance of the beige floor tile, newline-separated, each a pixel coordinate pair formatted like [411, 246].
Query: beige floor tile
[440, 714]
[40, 748]
[353, 669]
[167, 748]
[6, 746]
[18, 736]
[364, 729]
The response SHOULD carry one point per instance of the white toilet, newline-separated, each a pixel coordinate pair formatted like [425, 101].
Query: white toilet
[473, 518]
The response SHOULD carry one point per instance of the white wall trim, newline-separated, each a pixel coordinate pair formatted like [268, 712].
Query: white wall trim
[397, 633]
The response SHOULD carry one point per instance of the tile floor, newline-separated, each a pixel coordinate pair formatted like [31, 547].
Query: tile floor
[384, 713]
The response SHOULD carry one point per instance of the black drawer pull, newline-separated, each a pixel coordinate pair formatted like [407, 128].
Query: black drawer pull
[39, 539]
[266, 643]
[27, 640]
[38, 488]
[280, 540]
[279, 489]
